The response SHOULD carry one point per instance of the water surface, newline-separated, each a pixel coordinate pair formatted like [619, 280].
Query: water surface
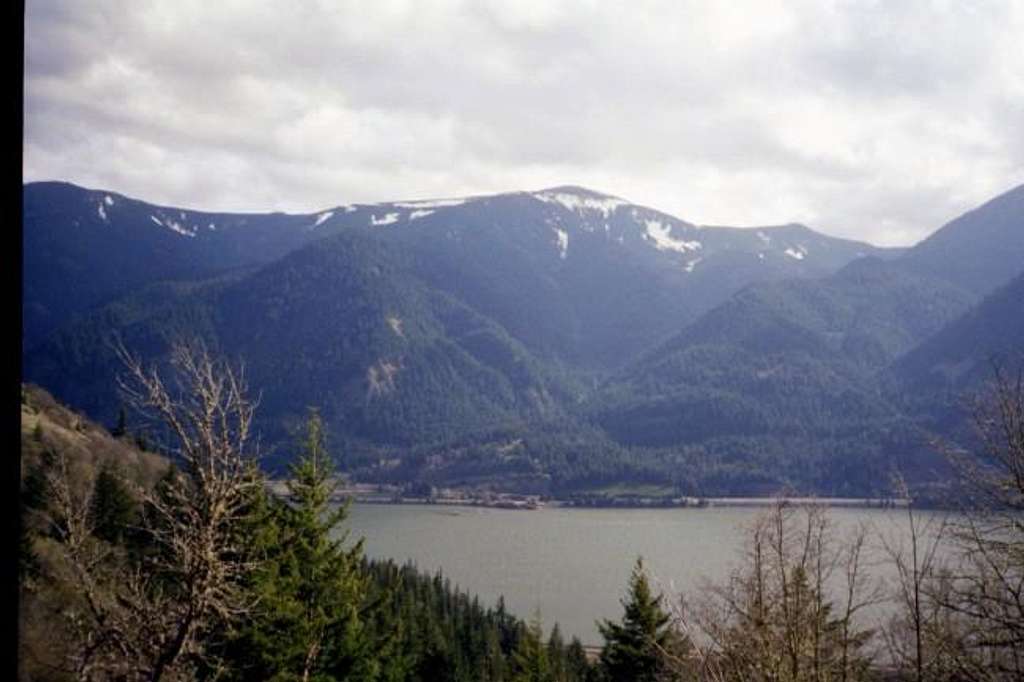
[572, 564]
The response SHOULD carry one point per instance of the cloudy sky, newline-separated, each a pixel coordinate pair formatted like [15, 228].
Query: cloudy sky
[873, 120]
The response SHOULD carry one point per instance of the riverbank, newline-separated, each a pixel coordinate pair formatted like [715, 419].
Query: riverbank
[379, 494]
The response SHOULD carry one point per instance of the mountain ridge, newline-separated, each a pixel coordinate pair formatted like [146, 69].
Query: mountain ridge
[550, 340]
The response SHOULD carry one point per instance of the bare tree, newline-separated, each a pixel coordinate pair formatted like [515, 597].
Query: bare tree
[197, 517]
[158, 615]
[960, 586]
[774, 619]
[914, 633]
[984, 590]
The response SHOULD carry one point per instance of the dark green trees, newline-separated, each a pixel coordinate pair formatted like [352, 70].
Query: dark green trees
[114, 510]
[638, 648]
[530, 658]
[311, 590]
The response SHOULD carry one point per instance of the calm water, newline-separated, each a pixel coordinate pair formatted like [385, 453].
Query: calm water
[573, 564]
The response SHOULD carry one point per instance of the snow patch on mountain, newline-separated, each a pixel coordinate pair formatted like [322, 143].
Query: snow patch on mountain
[108, 200]
[388, 219]
[663, 239]
[579, 203]
[563, 242]
[102, 213]
[175, 226]
[798, 253]
[322, 218]
[691, 264]
[395, 323]
[420, 213]
[172, 225]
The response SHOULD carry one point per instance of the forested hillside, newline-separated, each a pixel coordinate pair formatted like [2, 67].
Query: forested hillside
[106, 582]
[553, 342]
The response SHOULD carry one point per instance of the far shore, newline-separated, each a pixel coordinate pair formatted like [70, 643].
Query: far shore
[374, 494]
[629, 503]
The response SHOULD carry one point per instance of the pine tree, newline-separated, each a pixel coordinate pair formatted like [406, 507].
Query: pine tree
[121, 428]
[556, 655]
[636, 649]
[577, 665]
[114, 510]
[312, 624]
[530, 658]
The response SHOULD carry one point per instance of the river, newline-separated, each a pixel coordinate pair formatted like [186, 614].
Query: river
[572, 564]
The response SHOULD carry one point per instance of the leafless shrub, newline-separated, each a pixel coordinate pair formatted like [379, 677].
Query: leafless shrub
[154, 617]
[983, 592]
[773, 619]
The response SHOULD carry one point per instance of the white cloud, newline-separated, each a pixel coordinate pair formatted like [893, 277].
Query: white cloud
[871, 120]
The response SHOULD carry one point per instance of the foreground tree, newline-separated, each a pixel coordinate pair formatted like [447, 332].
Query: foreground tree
[159, 614]
[917, 634]
[980, 594]
[773, 619]
[190, 588]
[312, 593]
[642, 646]
[530, 659]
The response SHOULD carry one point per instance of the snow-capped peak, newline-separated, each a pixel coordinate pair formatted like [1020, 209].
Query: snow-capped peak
[579, 200]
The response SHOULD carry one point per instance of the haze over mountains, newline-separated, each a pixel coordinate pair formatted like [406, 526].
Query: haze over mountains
[557, 341]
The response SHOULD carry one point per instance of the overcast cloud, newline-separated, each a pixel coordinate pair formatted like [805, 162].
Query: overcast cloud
[872, 120]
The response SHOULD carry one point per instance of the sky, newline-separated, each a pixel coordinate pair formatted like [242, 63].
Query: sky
[877, 121]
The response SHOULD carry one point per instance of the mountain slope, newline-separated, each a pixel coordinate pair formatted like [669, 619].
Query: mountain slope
[576, 275]
[960, 356]
[790, 369]
[979, 251]
[340, 324]
[549, 340]
[83, 248]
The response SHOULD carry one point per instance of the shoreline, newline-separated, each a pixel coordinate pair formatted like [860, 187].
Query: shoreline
[701, 503]
[366, 494]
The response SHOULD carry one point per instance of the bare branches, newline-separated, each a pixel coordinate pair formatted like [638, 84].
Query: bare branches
[963, 618]
[774, 619]
[915, 629]
[198, 515]
[154, 616]
[983, 593]
[994, 477]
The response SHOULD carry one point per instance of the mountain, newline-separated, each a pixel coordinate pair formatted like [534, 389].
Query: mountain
[805, 354]
[789, 367]
[979, 251]
[574, 274]
[961, 356]
[84, 248]
[559, 340]
[341, 325]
